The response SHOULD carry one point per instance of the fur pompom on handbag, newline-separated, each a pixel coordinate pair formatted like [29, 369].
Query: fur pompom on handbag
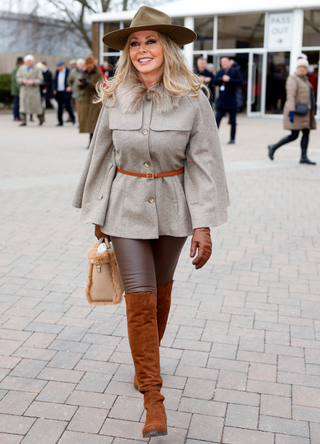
[104, 284]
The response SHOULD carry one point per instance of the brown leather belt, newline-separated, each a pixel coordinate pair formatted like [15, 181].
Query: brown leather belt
[152, 175]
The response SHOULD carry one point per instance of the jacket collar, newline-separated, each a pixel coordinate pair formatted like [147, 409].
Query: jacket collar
[133, 91]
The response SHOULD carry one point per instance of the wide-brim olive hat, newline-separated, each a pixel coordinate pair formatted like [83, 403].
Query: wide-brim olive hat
[148, 18]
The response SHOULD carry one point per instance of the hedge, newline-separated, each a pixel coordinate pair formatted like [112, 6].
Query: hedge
[5, 89]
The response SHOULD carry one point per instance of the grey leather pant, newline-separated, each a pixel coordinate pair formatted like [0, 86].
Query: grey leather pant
[145, 263]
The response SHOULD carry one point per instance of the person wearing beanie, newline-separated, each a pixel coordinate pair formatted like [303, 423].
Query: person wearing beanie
[299, 111]
[154, 175]
[89, 114]
[30, 78]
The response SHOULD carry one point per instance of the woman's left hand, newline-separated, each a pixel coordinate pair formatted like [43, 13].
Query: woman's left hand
[201, 240]
[98, 233]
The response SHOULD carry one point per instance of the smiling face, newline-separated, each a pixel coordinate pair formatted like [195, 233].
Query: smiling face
[146, 54]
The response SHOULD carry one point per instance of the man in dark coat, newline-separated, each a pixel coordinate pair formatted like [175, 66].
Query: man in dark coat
[228, 79]
[205, 75]
[15, 88]
[62, 95]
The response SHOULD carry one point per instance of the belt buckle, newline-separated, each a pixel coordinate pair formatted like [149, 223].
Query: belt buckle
[150, 175]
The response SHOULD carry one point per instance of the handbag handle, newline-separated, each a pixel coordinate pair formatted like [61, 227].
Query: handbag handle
[105, 240]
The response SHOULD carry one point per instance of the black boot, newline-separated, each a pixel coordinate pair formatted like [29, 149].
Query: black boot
[304, 148]
[304, 158]
[283, 141]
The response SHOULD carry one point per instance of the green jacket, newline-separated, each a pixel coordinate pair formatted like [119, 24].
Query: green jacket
[73, 76]
[15, 87]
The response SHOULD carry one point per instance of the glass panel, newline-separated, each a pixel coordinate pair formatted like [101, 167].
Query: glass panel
[241, 31]
[313, 70]
[204, 30]
[278, 64]
[109, 27]
[256, 72]
[311, 28]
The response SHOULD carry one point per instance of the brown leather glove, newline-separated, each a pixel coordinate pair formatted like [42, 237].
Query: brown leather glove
[201, 240]
[98, 233]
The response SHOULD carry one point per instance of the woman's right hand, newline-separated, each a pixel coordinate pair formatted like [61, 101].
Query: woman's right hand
[98, 233]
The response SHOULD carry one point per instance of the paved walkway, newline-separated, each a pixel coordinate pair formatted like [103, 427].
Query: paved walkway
[241, 355]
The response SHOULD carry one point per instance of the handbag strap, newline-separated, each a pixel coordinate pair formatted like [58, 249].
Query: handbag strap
[105, 240]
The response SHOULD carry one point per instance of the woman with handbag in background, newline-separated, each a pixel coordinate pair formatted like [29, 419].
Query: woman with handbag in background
[299, 111]
[154, 175]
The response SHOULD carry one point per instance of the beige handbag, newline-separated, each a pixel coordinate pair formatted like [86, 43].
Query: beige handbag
[104, 284]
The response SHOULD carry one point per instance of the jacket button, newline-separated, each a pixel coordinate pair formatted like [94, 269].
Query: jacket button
[147, 164]
[149, 98]
[151, 199]
[145, 132]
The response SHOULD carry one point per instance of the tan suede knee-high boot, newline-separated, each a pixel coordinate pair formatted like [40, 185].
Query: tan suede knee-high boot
[163, 309]
[144, 344]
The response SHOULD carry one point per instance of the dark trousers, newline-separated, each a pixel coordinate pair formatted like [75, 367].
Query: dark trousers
[145, 263]
[63, 102]
[293, 136]
[16, 102]
[220, 112]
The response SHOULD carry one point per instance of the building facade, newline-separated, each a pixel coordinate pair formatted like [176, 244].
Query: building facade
[265, 39]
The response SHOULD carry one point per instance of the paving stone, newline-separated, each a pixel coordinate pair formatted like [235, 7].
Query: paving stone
[228, 364]
[275, 406]
[200, 373]
[69, 346]
[122, 429]
[51, 411]
[35, 353]
[22, 384]
[199, 388]
[269, 388]
[6, 438]
[237, 435]
[56, 392]
[232, 380]
[205, 428]
[202, 407]
[129, 409]
[65, 360]
[306, 413]
[8, 347]
[86, 399]
[286, 439]
[284, 426]
[314, 433]
[44, 430]
[57, 374]
[88, 419]
[263, 372]
[40, 340]
[84, 438]
[16, 403]
[15, 424]
[236, 397]
[242, 416]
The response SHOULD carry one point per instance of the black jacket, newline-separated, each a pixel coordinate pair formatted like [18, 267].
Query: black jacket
[227, 98]
[47, 76]
[55, 83]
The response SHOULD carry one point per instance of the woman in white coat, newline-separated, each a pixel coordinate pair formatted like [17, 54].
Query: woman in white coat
[154, 175]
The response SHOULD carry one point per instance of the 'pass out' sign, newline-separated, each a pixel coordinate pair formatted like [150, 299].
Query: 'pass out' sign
[280, 30]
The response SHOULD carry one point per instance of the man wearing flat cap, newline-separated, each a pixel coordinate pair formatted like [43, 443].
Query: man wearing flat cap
[62, 93]
[30, 78]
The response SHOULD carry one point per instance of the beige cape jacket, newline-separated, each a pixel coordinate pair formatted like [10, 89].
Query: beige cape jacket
[151, 131]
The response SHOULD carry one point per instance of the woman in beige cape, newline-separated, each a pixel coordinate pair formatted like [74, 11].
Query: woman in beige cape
[154, 175]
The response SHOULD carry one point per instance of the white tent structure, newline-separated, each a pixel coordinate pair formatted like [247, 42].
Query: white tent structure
[262, 34]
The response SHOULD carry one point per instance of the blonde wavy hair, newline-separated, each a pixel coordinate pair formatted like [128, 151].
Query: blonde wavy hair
[175, 72]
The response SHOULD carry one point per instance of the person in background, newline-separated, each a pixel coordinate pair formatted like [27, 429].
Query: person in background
[228, 79]
[89, 111]
[105, 70]
[205, 75]
[62, 96]
[235, 65]
[73, 77]
[73, 63]
[47, 89]
[300, 94]
[40, 66]
[15, 87]
[29, 78]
